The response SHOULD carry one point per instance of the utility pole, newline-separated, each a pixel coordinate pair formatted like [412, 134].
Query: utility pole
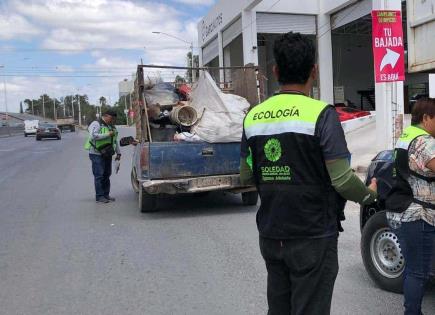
[72, 107]
[191, 64]
[33, 111]
[6, 104]
[389, 96]
[64, 108]
[54, 109]
[43, 105]
[126, 110]
[80, 111]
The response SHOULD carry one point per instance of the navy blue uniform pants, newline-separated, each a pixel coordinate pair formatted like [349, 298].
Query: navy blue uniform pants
[102, 169]
[417, 242]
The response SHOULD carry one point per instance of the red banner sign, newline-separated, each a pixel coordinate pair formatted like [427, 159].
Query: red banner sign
[388, 46]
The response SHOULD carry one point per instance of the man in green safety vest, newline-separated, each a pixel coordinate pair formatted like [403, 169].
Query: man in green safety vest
[295, 152]
[102, 144]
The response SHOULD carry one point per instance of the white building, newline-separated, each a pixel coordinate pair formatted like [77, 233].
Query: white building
[239, 32]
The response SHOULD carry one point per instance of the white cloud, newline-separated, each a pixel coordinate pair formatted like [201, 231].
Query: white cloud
[196, 2]
[64, 68]
[12, 26]
[115, 33]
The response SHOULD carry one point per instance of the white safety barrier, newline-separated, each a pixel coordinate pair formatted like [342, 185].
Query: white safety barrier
[357, 123]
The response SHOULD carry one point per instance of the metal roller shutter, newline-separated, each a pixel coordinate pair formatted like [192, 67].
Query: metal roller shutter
[232, 32]
[351, 13]
[275, 23]
[210, 51]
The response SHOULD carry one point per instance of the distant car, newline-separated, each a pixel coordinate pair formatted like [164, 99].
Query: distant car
[348, 113]
[46, 130]
[30, 127]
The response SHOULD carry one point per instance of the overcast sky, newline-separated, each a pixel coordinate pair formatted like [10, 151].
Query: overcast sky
[57, 47]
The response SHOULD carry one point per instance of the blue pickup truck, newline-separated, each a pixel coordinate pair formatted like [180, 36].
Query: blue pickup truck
[162, 166]
[170, 168]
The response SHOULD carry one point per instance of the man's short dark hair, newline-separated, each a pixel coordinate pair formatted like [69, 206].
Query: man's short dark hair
[295, 56]
[422, 107]
[110, 112]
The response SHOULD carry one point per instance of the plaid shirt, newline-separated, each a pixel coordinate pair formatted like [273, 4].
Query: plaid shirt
[420, 153]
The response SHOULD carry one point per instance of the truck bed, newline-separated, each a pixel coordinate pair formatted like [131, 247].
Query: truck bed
[173, 160]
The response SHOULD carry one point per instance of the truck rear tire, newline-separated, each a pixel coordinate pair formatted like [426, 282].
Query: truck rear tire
[381, 254]
[250, 198]
[147, 202]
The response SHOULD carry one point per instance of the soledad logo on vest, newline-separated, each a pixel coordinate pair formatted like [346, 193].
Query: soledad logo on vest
[273, 152]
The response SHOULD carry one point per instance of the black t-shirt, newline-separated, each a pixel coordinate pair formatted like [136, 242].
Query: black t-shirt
[333, 145]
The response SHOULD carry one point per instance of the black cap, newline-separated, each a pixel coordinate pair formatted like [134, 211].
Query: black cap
[110, 112]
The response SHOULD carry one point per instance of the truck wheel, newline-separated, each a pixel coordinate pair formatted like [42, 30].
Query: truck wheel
[38, 139]
[250, 198]
[381, 254]
[134, 182]
[25, 135]
[147, 202]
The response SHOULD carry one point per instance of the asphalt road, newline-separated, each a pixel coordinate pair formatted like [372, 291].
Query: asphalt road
[61, 253]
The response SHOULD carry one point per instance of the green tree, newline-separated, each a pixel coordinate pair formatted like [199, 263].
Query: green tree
[103, 101]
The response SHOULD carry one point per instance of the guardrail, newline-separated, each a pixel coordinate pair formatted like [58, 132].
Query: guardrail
[11, 131]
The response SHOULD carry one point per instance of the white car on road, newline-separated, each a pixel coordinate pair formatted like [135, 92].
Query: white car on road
[30, 127]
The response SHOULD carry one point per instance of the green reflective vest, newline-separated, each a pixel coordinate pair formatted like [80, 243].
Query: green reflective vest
[284, 113]
[98, 144]
[297, 197]
[400, 196]
[409, 134]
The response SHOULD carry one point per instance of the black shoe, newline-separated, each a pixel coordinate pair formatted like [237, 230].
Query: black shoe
[103, 200]
[110, 198]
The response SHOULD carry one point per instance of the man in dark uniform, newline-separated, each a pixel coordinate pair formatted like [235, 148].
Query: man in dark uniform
[295, 152]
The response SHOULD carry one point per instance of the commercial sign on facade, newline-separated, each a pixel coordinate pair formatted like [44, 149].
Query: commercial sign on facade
[208, 29]
[388, 46]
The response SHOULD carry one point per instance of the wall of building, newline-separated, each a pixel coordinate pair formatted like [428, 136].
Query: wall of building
[226, 11]
[332, 6]
[295, 7]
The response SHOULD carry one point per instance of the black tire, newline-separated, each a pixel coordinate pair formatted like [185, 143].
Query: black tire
[250, 198]
[38, 139]
[381, 254]
[25, 135]
[134, 182]
[58, 138]
[147, 202]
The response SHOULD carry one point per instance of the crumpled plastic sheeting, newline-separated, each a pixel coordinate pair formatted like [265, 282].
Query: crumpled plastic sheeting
[162, 94]
[220, 115]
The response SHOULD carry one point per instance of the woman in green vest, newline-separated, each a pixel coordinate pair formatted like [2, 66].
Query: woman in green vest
[413, 202]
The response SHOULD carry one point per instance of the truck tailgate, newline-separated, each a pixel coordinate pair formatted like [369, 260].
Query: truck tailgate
[191, 159]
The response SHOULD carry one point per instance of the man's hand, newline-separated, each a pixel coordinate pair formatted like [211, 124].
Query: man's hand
[118, 157]
[374, 185]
